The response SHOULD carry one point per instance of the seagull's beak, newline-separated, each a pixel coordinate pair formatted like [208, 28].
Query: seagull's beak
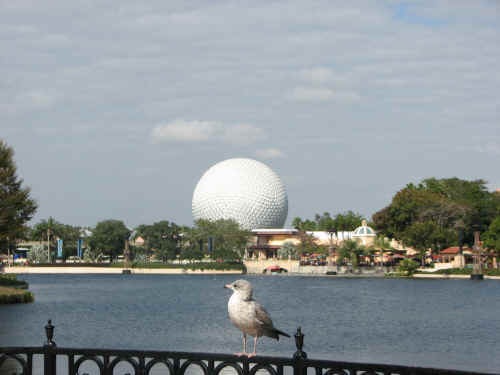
[228, 286]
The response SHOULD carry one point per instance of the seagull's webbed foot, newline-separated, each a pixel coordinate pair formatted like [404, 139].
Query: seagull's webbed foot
[244, 352]
[250, 355]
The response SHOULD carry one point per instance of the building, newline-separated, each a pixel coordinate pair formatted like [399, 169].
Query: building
[267, 242]
[364, 234]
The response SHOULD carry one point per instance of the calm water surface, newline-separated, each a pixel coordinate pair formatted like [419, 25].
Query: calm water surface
[432, 323]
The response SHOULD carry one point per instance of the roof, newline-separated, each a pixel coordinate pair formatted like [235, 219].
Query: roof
[453, 250]
[364, 230]
[265, 247]
[275, 231]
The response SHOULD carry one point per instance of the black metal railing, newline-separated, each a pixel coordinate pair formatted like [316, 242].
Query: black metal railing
[107, 362]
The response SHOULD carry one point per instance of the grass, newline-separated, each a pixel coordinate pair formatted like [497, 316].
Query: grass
[190, 266]
[464, 271]
[13, 295]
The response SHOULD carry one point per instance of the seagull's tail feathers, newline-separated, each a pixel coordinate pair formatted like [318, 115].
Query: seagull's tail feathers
[275, 334]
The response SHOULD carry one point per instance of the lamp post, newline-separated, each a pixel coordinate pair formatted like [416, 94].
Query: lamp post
[477, 269]
[460, 234]
[48, 245]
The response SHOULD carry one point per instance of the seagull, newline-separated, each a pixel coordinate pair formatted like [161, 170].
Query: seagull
[249, 316]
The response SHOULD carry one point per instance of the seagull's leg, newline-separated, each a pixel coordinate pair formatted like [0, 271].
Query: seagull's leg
[244, 352]
[254, 353]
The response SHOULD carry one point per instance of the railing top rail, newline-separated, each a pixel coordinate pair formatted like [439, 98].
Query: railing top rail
[320, 363]
[299, 359]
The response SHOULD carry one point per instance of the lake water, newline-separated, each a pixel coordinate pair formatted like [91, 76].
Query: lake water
[431, 323]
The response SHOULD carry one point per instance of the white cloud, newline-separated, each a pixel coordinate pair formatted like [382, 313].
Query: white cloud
[321, 94]
[322, 76]
[310, 94]
[317, 75]
[270, 153]
[185, 131]
[202, 131]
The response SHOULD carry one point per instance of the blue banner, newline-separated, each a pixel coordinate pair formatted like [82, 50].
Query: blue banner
[59, 248]
[79, 248]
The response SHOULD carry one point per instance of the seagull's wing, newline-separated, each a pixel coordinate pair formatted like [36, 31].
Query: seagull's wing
[263, 317]
[266, 324]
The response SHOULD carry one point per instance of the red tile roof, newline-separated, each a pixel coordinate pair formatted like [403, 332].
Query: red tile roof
[453, 250]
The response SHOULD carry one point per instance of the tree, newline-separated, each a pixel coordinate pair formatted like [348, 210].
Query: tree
[38, 254]
[192, 253]
[452, 204]
[109, 237]
[68, 233]
[351, 250]
[348, 221]
[327, 224]
[481, 205]
[306, 244]
[305, 225]
[382, 244]
[227, 239]
[491, 237]
[288, 251]
[422, 236]
[16, 206]
[408, 267]
[162, 238]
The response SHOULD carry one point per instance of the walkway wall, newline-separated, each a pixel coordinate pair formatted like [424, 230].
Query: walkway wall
[293, 266]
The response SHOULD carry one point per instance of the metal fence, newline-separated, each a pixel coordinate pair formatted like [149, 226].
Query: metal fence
[107, 362]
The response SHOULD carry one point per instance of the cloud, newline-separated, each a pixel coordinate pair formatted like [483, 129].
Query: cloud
[321, 94]
[310, 94]
[185, 131]
[321, 76]
[204, 131]
[270, 153]
[317, 75]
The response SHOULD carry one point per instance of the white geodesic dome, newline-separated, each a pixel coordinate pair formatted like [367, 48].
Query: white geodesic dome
[244, 190]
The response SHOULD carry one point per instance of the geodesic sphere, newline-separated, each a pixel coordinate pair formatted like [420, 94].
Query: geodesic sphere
[244, 190]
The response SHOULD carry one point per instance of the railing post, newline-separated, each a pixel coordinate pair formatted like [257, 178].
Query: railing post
[300, 355]
[49, 357]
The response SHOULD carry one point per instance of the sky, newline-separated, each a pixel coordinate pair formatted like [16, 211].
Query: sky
[116, 109]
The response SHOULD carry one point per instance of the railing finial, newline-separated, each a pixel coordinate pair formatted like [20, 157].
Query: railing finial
[49, 332]
[299, 343]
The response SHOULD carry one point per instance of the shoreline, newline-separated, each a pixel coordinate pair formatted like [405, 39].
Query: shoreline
[114, 270]
[180, 271]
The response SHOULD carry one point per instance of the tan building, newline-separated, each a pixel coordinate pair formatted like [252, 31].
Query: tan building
[267, 242]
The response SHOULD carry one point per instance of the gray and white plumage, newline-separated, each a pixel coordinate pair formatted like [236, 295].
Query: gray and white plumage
[249, 316]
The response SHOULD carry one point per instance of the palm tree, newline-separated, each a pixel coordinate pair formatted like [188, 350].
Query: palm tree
[351, 250]
[382, 244]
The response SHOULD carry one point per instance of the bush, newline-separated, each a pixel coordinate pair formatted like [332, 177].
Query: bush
[454, 271]
[408, 267]
[11, 280]
[467, 271]
[8, 295]
[225, 266]
[70, 265]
